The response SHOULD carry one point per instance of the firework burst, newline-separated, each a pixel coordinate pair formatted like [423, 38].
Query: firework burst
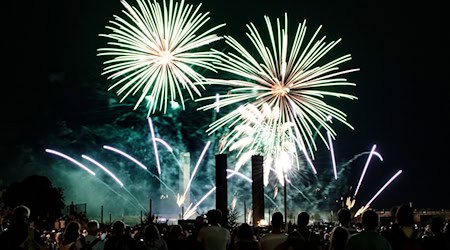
[284, 75]
[155, 50]
[262, 133]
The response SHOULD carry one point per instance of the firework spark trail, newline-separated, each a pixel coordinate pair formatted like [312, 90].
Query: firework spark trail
[181, 199]
[378, 193]
[155, 50]
[88, 170]
[234, 172]
[361, 154]
[283, 75]
[190, 211]
[330, 141]
[384, 187]
[103, 168]
[51, 151]
[217, 103]
[272, 201]
[263, 133]
[169, 148]
[150, 124]
[114, 177]
[165, 144]
[140, 165]
[365, 169]
[308, 159]
[298, 190]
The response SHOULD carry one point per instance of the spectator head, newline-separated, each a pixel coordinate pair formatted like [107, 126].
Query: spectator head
[344, 216]
[405, 215]
[339, 237]
[199, 221]
[92, 227]
[214, 216]
[118, 228]
[370, 220]
[437, 224]
[245, 231]
[151, 233]
[303, 219]
[176, 231]
[277, 220]
[21, 213]
[71, 232]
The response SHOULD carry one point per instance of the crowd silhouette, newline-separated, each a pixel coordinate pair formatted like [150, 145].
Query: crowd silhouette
[207, 233]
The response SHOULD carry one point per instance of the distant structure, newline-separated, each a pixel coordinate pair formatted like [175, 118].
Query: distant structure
[421, 216]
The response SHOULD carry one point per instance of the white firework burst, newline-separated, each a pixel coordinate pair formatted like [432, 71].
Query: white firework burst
[262, 133]
[289, 76]
[155, 51]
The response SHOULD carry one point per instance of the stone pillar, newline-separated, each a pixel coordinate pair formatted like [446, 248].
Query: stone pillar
[222, 187]
[184, 176]
[257, 189]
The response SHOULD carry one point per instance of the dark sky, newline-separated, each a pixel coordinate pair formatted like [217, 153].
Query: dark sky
[403, 98]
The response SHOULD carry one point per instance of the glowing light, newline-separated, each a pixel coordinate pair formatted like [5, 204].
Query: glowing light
[262, 134]
[191, 211]
[92, 173]
[174, 105]
[158, 166]
[155, 49]
[217, 103]
[126, 155]
[365, 169]
[233, 204]
[103, 168]
[286, 76]
[383, 188]
[182, 198]
[165, 144]
[330, 141]
[262, 223]
[233, 172]
[114, 177]
[364, 208]
[308, 159]
[51, 151]
[139, 164]
[249, 216]
[350, 203]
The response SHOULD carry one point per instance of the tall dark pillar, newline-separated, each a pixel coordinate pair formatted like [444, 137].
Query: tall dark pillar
[222, 187]
[257, 189]
[101, 215]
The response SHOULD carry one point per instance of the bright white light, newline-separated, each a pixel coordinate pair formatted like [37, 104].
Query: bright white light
[365, 169]
[364, 208]
[233, 172]
[165, 144]
[126, 155]
[192, 211]
[70, 159]
[155, 49]
[158, 166]
[103, 168]
[217, 103]
[330, 141]
[182, 198]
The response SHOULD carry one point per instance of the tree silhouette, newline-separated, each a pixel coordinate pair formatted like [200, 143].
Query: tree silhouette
[37, 192]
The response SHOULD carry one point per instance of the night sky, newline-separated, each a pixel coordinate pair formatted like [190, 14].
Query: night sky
[403, 98]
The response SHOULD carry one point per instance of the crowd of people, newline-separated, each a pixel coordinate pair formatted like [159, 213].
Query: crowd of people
[207, 233]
